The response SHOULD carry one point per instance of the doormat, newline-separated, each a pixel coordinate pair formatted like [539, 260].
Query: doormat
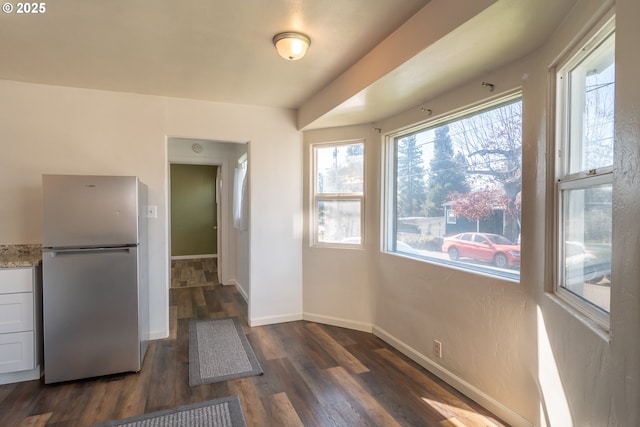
[219, 351]
[224, 412]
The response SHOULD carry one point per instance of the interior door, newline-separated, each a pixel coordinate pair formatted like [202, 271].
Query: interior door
[193, 210]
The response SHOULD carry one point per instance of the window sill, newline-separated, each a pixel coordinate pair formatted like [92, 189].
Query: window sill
[467, 267]
[600, 330]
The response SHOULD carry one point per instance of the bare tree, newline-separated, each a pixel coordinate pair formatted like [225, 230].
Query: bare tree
[492, 144]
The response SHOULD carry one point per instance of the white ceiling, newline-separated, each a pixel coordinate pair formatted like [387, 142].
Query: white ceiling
[221, 50]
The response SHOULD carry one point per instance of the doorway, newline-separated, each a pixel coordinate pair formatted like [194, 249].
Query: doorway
[194, 225]
[232, 245]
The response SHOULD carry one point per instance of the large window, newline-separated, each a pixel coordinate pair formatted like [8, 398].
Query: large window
[584, 171]
[453, 190]
[338, 193]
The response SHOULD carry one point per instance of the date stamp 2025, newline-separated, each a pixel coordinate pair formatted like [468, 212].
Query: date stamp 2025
[24, 8]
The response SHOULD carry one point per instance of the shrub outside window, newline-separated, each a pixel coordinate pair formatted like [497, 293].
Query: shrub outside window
[584, 145]
[338, 193]
[454, 189]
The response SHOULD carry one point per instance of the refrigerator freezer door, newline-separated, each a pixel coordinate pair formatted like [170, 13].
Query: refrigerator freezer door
[89, 211]
[91, 325]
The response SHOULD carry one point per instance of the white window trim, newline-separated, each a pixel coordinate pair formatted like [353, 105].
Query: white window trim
[240, 196]
[580, 180]
[315, 197]
[601, 318]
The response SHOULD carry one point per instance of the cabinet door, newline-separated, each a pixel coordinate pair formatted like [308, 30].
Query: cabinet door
[13, 280]
[16, 312]
[16, 352]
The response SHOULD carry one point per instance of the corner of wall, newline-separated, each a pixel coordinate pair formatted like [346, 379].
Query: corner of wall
[335, 321]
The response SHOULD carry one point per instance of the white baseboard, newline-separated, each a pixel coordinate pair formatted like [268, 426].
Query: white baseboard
[453, 380]
[194, 256]
[336, 321]
[240, 289]
[271, 320]
[268, 320]
[158, 335]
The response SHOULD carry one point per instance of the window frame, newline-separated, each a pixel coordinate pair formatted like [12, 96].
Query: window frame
[239, 196]
[565, 179]
[388, 206]
[316, 198]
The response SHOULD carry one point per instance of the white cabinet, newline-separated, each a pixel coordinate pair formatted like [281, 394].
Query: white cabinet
[20, 332]
[16, 312]
[17, 352]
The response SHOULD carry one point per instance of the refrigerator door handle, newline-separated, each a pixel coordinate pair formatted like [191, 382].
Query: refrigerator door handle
[56, 252]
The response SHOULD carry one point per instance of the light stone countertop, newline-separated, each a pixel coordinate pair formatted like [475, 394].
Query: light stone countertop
[15, 256]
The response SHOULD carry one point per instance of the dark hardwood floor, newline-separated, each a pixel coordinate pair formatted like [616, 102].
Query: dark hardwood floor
[314, 375]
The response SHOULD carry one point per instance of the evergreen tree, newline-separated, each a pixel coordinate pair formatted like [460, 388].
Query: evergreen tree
[448, 173]
[411, 188]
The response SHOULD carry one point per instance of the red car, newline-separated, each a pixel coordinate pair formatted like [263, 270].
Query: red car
[483, 247]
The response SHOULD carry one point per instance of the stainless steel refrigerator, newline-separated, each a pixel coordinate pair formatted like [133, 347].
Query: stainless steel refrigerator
[95, 281]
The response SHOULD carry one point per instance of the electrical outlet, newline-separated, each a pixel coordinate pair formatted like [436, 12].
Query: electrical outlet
[437, 348]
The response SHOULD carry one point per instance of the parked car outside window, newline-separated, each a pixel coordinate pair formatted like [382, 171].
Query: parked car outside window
[484, 247]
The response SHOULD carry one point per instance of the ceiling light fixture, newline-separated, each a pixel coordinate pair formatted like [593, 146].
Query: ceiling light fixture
[291, 45]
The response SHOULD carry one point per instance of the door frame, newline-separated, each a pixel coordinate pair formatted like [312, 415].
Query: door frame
[199, 156]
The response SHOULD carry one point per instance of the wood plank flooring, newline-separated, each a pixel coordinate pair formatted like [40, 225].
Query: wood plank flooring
[314, 375]
[194, 272]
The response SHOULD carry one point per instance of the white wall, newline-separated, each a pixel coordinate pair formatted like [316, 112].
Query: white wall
[275, 168]
[49, 129]
[55, 130]
[624, 369]
[513, 347]
[337, 282]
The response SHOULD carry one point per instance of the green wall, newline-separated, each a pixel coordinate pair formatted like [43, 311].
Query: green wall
[193, 210]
